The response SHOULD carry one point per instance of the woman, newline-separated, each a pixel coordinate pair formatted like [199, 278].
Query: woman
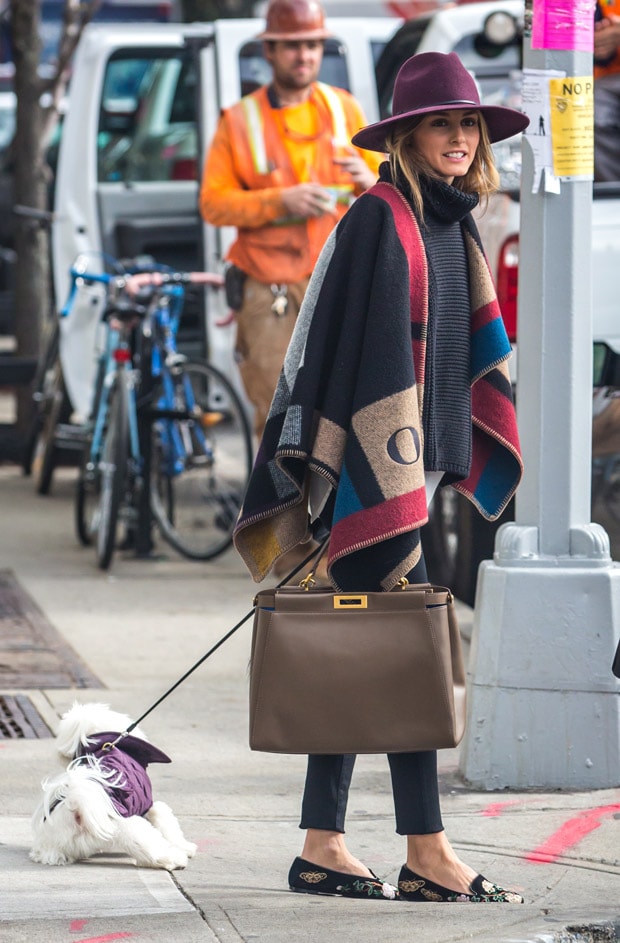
[361, 432]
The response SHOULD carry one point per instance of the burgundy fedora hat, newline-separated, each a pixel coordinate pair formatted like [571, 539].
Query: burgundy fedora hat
[436, 81]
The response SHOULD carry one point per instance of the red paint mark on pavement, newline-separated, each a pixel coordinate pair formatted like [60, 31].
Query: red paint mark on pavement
[496, 808]
[77, 925]
[204, 843]
[570, 834]
[106, 938]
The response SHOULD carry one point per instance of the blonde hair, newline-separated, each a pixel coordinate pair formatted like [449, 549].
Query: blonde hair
[481, 178]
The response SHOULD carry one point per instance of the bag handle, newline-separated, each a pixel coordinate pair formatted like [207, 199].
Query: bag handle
[314, 557]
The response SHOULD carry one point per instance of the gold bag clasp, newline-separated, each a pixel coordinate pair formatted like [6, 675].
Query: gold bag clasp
[350, 602]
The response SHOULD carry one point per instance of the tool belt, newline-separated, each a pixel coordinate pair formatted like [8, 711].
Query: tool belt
[234, 280]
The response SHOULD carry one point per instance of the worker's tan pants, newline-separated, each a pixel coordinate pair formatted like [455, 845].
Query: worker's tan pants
[262, 340]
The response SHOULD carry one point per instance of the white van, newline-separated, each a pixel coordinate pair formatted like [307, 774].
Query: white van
[143, 106]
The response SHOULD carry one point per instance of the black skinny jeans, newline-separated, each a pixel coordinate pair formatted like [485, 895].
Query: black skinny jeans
[414, 782]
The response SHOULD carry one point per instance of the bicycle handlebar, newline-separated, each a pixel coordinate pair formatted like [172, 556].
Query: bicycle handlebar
[89, 278]
[134, 283]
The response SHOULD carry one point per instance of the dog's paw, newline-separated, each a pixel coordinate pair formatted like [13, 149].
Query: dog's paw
[50, 857]
[173, 860]
[189, 848]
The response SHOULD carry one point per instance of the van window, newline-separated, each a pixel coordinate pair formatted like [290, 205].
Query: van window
[147, 120]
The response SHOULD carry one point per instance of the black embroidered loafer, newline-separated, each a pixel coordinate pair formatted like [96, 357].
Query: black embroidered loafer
[412, 886]
[308, 878]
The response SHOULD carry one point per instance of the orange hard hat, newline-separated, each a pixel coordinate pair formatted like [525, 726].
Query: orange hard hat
[295, 19]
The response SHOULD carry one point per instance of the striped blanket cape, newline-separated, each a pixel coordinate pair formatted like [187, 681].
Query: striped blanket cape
[343, 440]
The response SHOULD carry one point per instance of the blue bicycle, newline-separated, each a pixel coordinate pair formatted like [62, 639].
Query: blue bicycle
[57, 430]
[163, 425]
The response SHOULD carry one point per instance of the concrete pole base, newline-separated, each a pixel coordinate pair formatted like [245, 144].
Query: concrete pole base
[544, 706]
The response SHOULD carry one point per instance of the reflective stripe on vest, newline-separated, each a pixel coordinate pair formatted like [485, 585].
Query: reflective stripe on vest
[256, 136]
[334, 103]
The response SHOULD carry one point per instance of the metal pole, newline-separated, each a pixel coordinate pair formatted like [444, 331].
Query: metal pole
[544, 706]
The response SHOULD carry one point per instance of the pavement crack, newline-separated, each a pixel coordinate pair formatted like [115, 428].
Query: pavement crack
[227, 933]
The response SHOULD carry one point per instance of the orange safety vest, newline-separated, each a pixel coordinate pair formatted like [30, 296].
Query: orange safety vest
[287, 249]
[608, 7]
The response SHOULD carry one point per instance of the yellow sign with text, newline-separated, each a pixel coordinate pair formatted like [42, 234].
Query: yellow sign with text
[572, 126]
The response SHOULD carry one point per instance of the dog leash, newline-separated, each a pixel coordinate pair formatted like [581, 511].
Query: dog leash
[317, 553]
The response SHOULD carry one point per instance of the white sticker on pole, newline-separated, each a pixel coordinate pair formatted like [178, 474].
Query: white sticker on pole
[536, 105]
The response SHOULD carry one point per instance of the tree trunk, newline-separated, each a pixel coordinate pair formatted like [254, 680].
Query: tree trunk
[32, 280]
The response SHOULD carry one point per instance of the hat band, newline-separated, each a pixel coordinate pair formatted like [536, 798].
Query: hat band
[440, 105]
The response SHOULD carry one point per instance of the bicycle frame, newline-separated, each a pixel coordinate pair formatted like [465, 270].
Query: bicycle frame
[165, 320]
[116, 359]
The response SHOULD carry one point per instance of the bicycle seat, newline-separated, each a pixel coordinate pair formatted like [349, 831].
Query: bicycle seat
[126, 309]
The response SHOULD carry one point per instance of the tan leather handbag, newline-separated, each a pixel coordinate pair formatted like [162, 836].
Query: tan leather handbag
[356, 672]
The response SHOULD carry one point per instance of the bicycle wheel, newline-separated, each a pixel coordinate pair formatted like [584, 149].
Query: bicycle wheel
[54, 409]
[87, 497]
[201, 459]
[112, 471]
[88, 487]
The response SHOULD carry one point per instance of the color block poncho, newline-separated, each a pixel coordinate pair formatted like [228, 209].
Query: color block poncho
[343, 440]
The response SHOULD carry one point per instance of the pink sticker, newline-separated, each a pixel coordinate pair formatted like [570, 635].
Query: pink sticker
[563, 24]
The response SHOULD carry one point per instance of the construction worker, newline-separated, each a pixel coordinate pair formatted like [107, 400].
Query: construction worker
[282, 170]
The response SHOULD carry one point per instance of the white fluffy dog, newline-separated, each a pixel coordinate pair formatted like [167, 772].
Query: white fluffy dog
[103, 800]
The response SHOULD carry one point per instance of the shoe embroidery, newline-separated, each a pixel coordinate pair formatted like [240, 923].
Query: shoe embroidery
[511, 898]
[312, 880]
[484, 891]
[313, 877]
[409, 887]
[430, 895]
[369, 888]
[389, 891]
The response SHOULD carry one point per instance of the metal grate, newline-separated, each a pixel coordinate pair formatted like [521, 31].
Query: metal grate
[32, 653]
[19, 720]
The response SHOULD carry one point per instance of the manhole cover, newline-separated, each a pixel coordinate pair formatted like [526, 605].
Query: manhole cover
[19, 720]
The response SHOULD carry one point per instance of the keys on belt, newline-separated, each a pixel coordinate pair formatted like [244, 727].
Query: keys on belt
[279, 304]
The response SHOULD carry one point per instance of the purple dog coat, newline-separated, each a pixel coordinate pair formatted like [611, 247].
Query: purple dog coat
[132, 795]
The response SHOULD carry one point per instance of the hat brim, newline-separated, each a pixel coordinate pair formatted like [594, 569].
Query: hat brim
[301, 36]
[501, 122]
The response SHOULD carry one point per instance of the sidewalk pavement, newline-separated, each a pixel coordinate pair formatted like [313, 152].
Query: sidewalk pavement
[138, 629]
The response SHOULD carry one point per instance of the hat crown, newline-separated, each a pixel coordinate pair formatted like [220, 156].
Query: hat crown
[294, 18]
[433, 79]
